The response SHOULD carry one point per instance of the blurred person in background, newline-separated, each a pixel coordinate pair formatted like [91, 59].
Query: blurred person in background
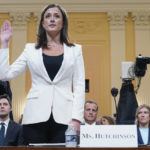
[143, 124]
[90, 112]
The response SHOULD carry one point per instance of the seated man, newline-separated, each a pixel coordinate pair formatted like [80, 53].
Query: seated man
[90, 112]
[5, 89]
[10, 132]
[143, 123]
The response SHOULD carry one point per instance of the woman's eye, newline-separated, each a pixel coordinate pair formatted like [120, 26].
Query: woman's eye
[57, 16]
[47, 16]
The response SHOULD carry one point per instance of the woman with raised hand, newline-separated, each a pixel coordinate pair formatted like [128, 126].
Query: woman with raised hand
[56, 97]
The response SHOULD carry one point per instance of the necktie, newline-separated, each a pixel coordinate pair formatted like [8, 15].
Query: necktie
[2, 132]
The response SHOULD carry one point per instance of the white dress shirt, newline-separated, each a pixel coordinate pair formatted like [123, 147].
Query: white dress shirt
[94, 123]
[144, 134]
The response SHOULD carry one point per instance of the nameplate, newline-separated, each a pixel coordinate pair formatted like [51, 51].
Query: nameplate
[108, 136]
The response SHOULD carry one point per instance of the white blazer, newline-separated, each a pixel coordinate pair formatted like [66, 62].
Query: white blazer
[64, 96]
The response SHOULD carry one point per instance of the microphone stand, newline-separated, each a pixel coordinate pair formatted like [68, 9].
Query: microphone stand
[114, 93]
[116, 107]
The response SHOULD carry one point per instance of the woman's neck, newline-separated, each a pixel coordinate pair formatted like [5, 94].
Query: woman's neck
[53, 38]
[144, 125]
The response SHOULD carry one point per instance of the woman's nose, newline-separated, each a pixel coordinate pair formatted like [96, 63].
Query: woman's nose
[52, 19]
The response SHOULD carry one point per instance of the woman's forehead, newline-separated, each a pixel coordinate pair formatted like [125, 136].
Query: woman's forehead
[53, 10]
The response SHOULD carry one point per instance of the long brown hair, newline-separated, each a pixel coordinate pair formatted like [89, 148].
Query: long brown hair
[42, 39]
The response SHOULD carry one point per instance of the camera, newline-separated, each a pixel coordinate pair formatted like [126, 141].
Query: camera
[141, 65]
[130, 70]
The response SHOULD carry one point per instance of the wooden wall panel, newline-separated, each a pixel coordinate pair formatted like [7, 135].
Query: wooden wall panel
[91, 30]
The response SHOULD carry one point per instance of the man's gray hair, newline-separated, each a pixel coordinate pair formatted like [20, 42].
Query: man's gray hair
[91, 102]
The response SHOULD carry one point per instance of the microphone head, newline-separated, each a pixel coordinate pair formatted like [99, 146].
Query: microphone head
[114, 92]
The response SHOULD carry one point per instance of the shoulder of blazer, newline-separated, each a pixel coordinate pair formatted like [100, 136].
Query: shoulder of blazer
[14, 124]
[30, 50]
[30, 46]
[76, 46]
[77, 50]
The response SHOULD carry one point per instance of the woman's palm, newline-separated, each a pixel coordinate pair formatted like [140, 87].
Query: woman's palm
[6, 32]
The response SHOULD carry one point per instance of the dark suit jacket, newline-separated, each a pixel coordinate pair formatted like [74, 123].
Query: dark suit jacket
[140, 140]
[13, 135]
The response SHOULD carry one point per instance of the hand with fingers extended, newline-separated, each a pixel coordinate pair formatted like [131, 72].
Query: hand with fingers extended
[5, 35]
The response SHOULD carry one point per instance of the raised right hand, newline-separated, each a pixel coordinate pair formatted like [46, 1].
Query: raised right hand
[6, 34]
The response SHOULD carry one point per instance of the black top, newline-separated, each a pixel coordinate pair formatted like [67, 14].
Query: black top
[52, 64]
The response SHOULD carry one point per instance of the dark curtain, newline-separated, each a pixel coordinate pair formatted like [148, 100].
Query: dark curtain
[127, 104]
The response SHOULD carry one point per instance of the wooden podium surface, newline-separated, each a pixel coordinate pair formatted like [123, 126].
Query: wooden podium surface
[64, 148]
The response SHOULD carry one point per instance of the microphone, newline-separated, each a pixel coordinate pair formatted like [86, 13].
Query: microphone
[114, 93]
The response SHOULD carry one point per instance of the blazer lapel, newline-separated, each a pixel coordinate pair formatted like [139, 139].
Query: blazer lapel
[67, 60]
[148, 136]
[9, 129]
[42, 68]
[140, 140]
